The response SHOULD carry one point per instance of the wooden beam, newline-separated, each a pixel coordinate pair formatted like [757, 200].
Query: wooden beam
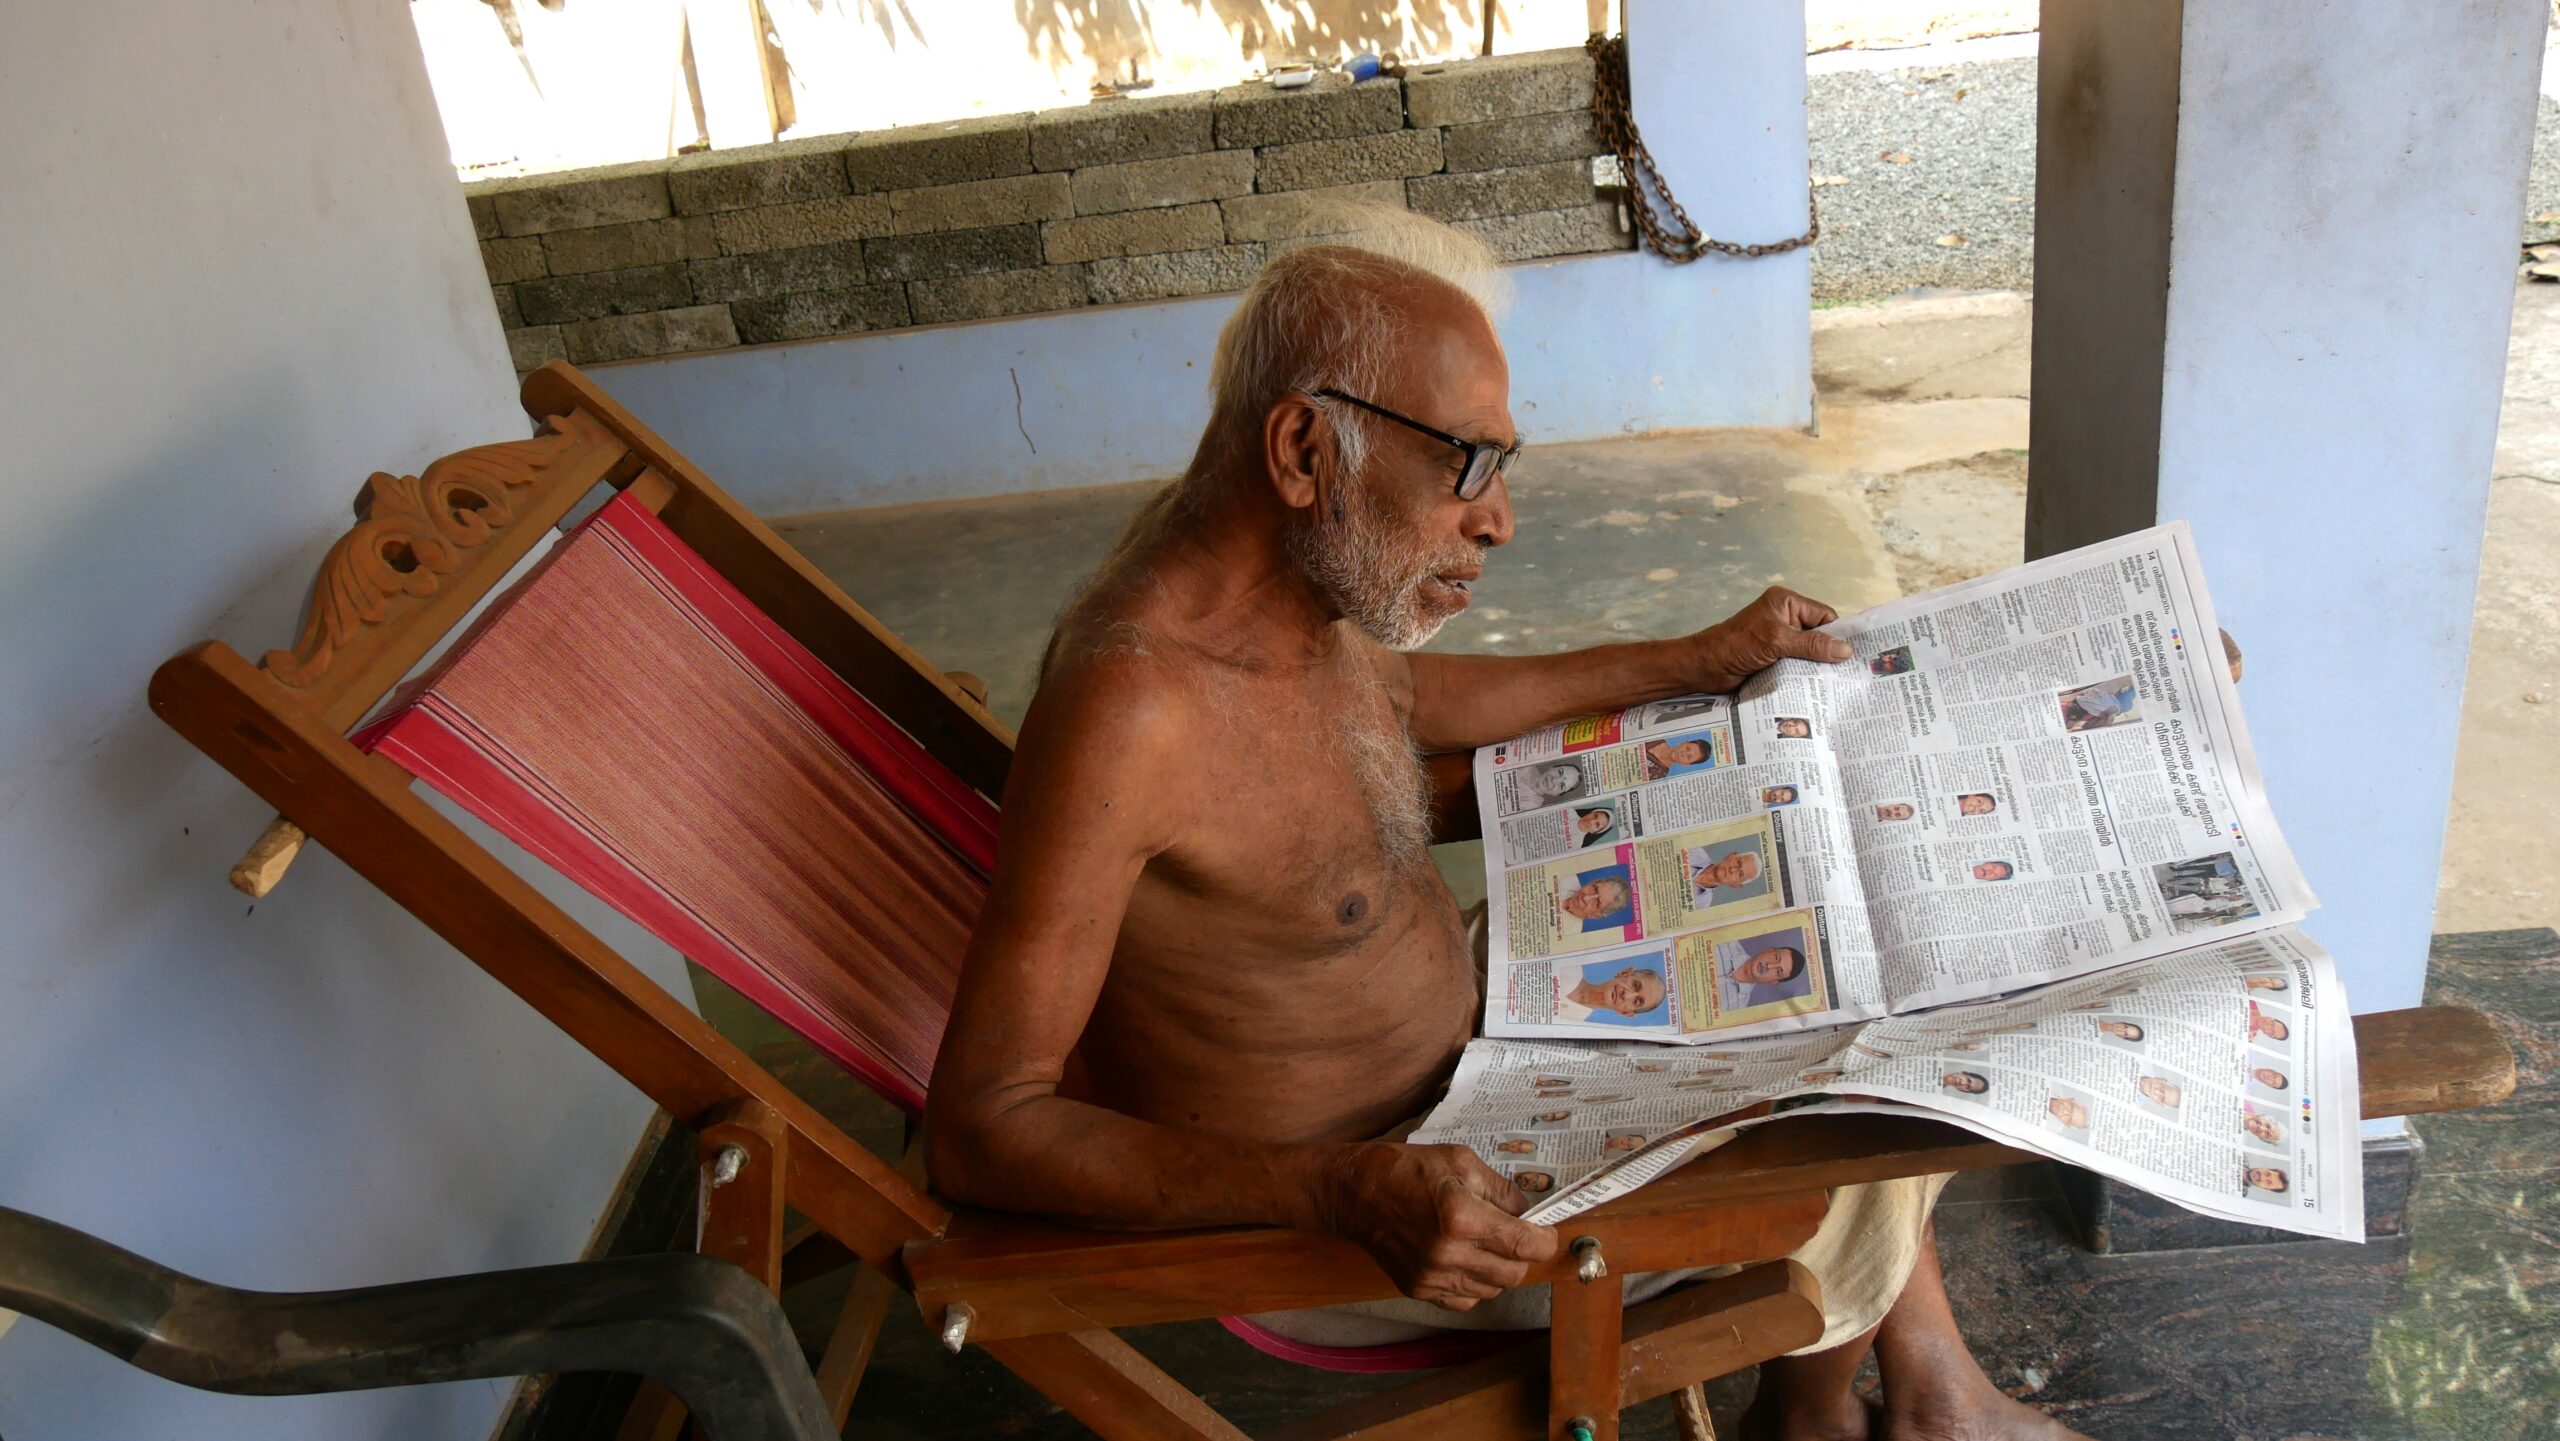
[1715, 1328]
[2426, 1059]
[1103, 1382]
[1501, 1397]
[857, 1334]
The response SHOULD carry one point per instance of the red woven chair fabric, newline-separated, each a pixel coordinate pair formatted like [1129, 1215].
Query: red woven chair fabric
[627, 716]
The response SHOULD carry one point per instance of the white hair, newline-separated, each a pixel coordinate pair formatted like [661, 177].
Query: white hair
[1324, 315]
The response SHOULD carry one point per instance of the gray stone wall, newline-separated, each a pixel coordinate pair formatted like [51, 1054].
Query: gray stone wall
[1117, 201]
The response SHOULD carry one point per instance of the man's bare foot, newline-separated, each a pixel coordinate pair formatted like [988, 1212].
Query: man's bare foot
[1771, 1417]
[1982, 1413]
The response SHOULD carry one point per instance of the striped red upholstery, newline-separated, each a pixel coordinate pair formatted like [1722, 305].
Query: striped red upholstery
[624, 714]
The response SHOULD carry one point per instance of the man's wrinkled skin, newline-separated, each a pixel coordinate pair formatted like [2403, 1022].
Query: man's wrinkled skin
[1212, 962]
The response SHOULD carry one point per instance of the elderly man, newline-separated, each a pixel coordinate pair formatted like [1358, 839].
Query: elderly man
[1211, 979]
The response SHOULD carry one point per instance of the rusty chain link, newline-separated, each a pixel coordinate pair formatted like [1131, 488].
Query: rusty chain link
[1613, 114]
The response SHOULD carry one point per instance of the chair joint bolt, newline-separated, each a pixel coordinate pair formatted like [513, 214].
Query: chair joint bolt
[955, 1326]
[1589, 1264]
[726, 1163]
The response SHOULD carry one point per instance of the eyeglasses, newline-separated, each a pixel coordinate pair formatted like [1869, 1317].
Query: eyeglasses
[1485, 459]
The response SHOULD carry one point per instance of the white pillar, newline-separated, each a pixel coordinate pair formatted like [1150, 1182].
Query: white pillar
[2275, 251]
[1719, 92]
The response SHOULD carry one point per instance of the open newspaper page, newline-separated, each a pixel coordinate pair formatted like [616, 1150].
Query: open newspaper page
[2222, 1078]
[1643, 881]
[2030, 776]
[2044, 772]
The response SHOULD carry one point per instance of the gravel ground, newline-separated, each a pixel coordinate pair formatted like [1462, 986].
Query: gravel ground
[1969, 132]
[1926, 178]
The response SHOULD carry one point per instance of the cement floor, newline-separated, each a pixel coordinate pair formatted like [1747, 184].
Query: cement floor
[1917, 478]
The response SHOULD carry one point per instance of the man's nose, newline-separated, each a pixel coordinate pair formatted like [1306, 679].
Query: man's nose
[1488, 518]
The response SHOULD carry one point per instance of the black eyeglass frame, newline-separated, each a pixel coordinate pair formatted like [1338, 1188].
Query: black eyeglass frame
[1485, 459]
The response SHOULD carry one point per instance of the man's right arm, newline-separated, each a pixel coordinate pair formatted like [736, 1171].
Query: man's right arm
[1085, 808]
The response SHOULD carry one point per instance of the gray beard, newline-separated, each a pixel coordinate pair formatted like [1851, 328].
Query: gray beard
[1361, 569]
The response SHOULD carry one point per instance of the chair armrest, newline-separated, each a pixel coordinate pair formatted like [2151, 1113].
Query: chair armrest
[1748, 1201]
[1758, 1198]
[704, 1329]
[2432, 1058]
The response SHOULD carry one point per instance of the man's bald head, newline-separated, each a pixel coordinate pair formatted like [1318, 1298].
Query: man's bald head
[1338, 314]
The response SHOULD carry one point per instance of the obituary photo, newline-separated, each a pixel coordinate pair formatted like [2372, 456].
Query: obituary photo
[1625, 992]
[1663, 713]
[1750, 971]
[2120, 1033]
[1595, 825]
[2262, 1126]
[2160, 1094]
[2266, 1183]
[1539, 786]
[2067, 1111]
[2269, 1029]
[1682, 754]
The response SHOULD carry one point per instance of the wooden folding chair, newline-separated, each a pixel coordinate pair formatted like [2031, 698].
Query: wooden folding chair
[679, 712]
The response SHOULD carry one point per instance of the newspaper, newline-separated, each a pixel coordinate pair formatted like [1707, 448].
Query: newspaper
[2014, 780]
[2012, 863]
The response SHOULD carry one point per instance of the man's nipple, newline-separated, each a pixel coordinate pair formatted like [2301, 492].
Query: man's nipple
[1353, 909]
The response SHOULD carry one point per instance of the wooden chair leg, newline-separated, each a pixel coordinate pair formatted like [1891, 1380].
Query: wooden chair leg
[1103, 1382]
[743, 1156]
[738, 1218]
[1718, 1327]
[1584, 1334]
[848, 1353]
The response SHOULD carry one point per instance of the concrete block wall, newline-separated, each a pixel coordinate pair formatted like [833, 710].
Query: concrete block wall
[1103, 204]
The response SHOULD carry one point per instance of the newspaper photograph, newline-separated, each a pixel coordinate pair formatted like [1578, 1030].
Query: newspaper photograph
[2016, 780]
[2222, 1078]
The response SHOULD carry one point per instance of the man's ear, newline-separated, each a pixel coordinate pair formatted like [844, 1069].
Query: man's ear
[1297, 451]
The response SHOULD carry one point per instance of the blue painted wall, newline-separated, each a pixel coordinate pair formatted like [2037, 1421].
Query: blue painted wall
[240, 278]
[1599, 345]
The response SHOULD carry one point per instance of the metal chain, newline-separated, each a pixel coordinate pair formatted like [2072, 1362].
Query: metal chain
[1614, 116]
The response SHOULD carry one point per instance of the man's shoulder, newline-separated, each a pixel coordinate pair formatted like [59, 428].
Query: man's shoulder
[1110, 683]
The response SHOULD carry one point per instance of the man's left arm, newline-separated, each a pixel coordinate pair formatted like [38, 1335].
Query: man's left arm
[1460, 702]
[1454, 703]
